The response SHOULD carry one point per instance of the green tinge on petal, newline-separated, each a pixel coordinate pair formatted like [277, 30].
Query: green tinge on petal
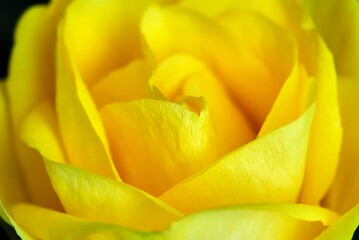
[269, 221]
[269, 169]
[42, 223]
[102, 199]
[24, 235]
[343, 228]
[277, 222]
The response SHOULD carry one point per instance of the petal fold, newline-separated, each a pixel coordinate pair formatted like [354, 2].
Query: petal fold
[281, 221]
[155, 144]
[342, 35]
[343, 194]
[97, 198]
[344, 228]
[81, 128]
[103, 35]
[269, 169]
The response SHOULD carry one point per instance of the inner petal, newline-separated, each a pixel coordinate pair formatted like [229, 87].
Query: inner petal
[155, 144]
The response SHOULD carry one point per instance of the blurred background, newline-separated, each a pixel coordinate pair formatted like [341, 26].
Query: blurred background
[10, 11]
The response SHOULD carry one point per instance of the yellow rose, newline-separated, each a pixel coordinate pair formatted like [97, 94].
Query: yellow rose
[183, 119]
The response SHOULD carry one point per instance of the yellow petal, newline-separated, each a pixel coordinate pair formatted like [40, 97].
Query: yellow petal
[34, 49]
[80, 125]
[124, 84]
[343, 193]
[341, 35]
[156, 144]
[277, 221]
[98, 198]
[40, 131]
[244, 67]
[42, 223]
[296, 95]
[12, 187]
[182, 75]
[285, 13]
[344, 228]
[326, 132]
[277, 51]
[282, 221]
[19, 230]
[269, 169]
[103, 35]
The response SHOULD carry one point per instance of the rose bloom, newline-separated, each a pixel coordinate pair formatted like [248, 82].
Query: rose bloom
[186, 119]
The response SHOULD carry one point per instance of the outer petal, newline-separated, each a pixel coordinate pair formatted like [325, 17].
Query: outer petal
[344, 228]
[80, 125]
[28, 84]
[254, 222]
[12, 186]
[156, 144]
[326, 133]
[269, 169]
[282, 221]
[40, 131]
[103, 35]
[343, 194]
[101, 199]
[341, 35]
[42, 223]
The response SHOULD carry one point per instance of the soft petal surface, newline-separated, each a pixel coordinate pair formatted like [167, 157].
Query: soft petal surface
[29, 83]
[277, 221]
[254, 222]
[156, 144]
[124, 84]
[343, 228]
[296, 95]
[101, 199]
[103, 35]
[80, 125]
[343, 194]
[270, 169]
[183, 75]
[42, 223]
[40, 131]
[13, 187]
[19, 230]
[233, 61]
[326, 133]
[275, 48]
[341, 35]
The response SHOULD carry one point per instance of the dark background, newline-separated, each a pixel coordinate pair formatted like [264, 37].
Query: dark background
[10, 11]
